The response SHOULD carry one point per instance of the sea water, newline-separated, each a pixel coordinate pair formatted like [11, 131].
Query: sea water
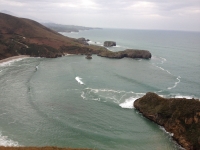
[75, 102]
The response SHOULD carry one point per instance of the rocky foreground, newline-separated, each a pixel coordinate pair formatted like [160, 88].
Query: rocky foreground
[179, 116]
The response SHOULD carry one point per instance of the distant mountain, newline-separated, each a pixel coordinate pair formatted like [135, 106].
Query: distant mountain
[66, 28]
[20, 36]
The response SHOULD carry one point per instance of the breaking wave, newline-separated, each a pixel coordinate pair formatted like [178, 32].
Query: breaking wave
[78, 79]
[5, 141]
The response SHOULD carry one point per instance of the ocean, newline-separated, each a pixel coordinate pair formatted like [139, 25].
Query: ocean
[75, 102]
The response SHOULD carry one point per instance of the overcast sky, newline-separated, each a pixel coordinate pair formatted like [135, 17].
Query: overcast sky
[135, 14]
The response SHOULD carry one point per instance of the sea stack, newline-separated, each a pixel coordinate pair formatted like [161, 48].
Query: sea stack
[130, 53]
[179, 116]
[109, 43]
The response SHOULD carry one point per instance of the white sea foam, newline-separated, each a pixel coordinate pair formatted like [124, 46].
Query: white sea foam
[117, 46]
[163, 60]
[162, 69]
[5, 141]
[8, 63]
[182, 96]
[78, 79]
[123, 98]
[128, 103]
[163, 129]
[36, 67]
[175, 84]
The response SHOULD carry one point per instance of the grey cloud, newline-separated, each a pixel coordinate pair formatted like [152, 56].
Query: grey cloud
[114, 13]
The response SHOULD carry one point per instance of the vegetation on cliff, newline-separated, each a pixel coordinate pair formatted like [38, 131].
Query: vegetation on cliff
[179, 116]
[19, 36]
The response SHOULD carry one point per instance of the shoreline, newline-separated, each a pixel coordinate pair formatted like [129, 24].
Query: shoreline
[13, 58]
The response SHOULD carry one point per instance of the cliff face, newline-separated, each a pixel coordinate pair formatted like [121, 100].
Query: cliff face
[179, 116]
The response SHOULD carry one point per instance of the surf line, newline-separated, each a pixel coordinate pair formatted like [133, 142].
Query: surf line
[176, 83]
[78, 79]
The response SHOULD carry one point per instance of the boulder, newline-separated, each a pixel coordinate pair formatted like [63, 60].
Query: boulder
[109, 43]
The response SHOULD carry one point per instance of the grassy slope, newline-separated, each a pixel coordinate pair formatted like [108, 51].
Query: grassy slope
[25, 36]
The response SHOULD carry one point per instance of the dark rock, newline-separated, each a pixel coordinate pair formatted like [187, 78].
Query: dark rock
[89, 56]
[130, 53]
[109, 43]
[179, 116]
[83, 41]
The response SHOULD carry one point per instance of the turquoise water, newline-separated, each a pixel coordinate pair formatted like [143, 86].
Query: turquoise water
[75, 102]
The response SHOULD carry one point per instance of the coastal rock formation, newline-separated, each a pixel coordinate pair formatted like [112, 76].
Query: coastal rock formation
[83, 41]
[179, 116]
[89, 56]
[130, 53]
[109, 43]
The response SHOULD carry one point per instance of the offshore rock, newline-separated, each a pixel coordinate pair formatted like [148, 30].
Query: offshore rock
[109, 43]
[179, 116]
[130, 53]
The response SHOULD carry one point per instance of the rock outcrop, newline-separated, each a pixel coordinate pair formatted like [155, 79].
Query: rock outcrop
[83, 41]
[130, 53]
[89, 56]
[109, 43]
[179, 116]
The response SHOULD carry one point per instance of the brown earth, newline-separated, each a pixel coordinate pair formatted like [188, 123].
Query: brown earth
[179, 116]
[20, 36]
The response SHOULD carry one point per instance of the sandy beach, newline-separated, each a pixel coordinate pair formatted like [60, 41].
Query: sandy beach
[13, 58]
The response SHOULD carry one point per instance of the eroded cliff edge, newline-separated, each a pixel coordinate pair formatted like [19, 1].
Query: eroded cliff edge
[179, 116]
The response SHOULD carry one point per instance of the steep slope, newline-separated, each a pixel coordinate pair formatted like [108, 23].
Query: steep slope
[179, 116]
[20, 36]
[24, 36]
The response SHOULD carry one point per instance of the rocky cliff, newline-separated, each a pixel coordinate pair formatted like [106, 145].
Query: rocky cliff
[179, 116]
[130, 53]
